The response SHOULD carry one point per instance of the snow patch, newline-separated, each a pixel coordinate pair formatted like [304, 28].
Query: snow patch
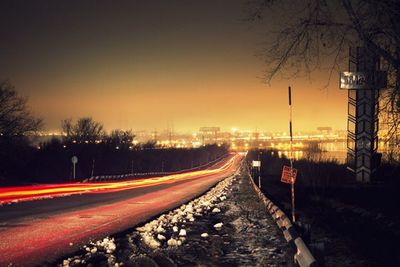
[182, 232]
[218, 226]
[216, 210]
[204, 235]
[169, 226]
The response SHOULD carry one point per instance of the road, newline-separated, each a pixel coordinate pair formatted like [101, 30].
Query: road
[34, 231]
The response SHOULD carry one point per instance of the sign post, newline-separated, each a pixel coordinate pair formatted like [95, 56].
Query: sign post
[74, 160]
[289, 175]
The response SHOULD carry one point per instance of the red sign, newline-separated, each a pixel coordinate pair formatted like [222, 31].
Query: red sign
[287, 175]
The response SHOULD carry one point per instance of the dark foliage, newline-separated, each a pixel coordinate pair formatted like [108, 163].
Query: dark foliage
[84, 130]
[15, 117]
[329, 199]
[316, 35]
[52, 162]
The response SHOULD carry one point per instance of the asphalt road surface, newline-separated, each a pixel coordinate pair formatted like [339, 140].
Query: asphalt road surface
[38, 229]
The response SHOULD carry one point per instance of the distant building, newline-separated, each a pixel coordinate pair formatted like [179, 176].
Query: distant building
[326, 130]
[209, 134]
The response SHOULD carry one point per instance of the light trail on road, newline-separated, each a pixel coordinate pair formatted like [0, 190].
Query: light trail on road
[27, 193]
[33, 232]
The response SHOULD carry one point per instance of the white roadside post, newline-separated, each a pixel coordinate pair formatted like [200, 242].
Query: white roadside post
[257, 164]
[74, 160]
[259, 170]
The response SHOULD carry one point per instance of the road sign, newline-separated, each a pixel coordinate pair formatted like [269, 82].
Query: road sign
[363, 80]
[74, 159]
[256, 163]
[287, 175]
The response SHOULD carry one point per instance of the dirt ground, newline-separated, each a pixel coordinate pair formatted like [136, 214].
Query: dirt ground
[247, 235]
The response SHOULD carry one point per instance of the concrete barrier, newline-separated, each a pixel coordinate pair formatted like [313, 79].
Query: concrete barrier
[303, 256]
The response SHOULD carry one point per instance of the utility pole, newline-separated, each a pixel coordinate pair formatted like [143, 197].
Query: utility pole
[92, 167]
[291, 155]
[155, 136]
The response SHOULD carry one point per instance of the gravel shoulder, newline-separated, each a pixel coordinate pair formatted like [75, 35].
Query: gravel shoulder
[227, 226]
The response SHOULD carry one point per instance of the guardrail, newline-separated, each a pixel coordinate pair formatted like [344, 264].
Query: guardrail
[102, 178]
[303, 256]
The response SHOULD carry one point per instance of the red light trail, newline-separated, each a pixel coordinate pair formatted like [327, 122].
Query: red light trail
[27, 193]
[34, 232]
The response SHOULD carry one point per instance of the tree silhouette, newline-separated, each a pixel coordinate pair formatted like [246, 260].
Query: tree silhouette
[85, 130]
[318, 33]
[15, 117]
[120, 138]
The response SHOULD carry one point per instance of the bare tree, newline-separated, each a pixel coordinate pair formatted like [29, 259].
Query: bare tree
[318, 33]
[85, 130]
[15, 117]
[120, 138]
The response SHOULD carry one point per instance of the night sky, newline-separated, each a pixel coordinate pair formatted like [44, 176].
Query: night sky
[147, 65]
